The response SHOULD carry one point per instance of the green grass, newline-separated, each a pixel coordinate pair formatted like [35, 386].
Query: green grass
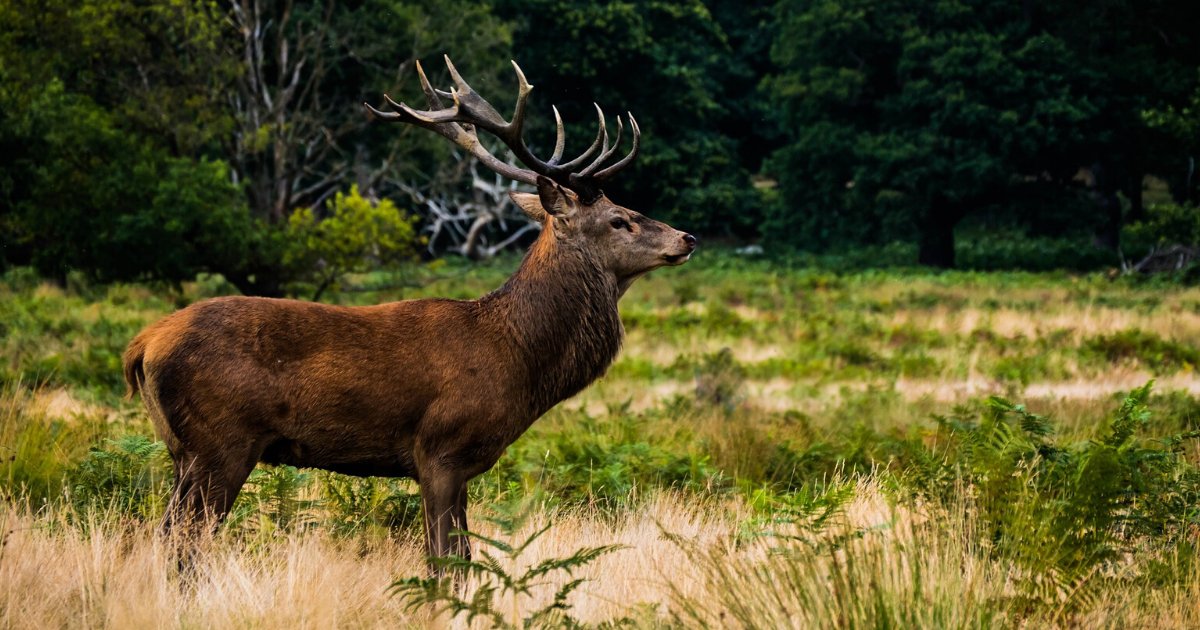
[743, 383]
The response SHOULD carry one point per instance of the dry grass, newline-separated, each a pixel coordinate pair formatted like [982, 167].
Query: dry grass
[118, 574]
[902, 566]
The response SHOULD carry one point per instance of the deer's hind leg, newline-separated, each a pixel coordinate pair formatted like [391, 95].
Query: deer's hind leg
[206, 486]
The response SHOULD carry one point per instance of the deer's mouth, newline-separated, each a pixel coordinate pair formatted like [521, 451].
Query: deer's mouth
[677, 259]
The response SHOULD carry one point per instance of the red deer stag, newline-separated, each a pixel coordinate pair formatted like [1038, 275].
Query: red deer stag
[431, 389]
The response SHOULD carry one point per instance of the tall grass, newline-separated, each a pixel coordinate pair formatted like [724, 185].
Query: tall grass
[776, 447]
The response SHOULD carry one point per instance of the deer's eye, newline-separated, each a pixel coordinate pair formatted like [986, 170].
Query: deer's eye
[619, 224]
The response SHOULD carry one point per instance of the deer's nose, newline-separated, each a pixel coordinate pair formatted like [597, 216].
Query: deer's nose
[690, 240]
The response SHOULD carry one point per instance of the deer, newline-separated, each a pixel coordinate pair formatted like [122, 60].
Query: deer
[430, 389]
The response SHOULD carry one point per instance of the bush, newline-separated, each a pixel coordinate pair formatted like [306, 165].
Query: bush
[131, 475]
[496, 584]
[1159, 355]
[1014, 250]
[1064, 510]
[1165, 224]
[358, 234]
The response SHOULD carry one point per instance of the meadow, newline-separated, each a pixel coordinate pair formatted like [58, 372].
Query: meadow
[777, 446]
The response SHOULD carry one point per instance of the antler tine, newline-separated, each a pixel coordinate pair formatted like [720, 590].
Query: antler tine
[601, 137]
[560, 141]
[375, 113]
[606, 153]
[431, 95]
[625, 161]
[512, 132]
[456, 77]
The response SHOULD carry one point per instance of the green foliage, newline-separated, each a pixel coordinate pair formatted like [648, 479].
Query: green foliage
[927, 118]
[993, 250]
[273, 500]
[605, 463]
[94, 197]
[58, 338]
[130, 475]
[496, 584]
[359, 234]
[1164, 224]
[359, 506]
[1161, 356]
[37, 452]
[690, 171]
[799, 515]
[904, 119]
[1065, 510]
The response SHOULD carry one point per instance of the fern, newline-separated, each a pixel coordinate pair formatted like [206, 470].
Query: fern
[1066, 512]
[495, 585]
[129, 474]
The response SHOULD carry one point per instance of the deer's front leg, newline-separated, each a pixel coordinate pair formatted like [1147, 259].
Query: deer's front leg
[439, 495]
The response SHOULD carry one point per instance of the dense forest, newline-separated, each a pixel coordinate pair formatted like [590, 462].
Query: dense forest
[158, 139]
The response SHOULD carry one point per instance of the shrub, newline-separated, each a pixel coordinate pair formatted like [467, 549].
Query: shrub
[720, 380]
[497, 588]
[1154, 352]
[273, 499]
[357, 235]
[131, 475]
[355, 505]
[1063, 510]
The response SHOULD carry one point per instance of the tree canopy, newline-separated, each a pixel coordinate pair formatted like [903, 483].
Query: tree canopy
[161, 138]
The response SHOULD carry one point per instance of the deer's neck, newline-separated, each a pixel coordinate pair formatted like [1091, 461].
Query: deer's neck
[559, 312]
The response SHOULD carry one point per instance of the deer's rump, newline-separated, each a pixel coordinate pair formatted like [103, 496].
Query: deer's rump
[344, 389]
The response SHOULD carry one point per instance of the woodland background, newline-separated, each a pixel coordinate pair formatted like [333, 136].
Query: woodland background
[789, 438]
[158, 139]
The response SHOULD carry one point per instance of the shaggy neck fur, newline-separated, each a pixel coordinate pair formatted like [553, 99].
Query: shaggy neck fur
[559, 310]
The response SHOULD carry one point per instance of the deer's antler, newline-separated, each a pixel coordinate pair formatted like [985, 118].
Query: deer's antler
[469, 112]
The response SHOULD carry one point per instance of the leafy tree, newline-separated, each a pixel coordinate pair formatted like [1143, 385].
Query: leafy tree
[906, 117]
[86, 194]
[357, 235]
[1180, 124]
[161, 138]
[670, 64]
[1146, 53]
[105, 108]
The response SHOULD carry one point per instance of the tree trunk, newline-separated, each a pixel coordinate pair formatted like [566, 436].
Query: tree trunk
[1137, 207]
[257, 282]
[936, 247]
[1109, 205]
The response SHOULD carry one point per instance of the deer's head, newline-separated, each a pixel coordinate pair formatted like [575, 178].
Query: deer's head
[569, 202]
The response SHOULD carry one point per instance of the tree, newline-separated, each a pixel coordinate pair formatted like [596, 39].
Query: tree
[671, 65]
[358, 235]
[157, 139]
[301, 134]
[904, 118]
[104, 107]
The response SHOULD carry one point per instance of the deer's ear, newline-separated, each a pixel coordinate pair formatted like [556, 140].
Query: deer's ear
[530, 204]
[555, 201]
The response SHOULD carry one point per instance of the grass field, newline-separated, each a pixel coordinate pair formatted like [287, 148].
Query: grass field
[774, 447]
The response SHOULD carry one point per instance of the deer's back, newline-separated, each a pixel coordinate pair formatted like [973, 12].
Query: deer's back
[357, 389]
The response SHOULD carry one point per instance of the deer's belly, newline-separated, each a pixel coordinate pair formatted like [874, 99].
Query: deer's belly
[361, 464]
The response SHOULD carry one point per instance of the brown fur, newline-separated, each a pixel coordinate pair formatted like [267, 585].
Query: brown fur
[430, 389]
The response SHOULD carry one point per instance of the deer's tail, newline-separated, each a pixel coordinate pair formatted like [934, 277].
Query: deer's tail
[135, 375]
